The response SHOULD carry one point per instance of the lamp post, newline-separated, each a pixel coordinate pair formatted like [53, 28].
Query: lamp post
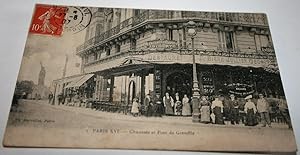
[196, 92]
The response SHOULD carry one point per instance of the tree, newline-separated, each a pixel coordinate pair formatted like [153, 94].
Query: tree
[24, 87]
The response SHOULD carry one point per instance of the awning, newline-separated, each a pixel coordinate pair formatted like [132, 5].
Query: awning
[80, 81]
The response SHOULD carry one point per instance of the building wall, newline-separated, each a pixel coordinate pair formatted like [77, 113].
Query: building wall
[245, 41]
[204, 40]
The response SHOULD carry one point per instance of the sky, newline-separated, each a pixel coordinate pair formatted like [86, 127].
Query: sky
[51, 51]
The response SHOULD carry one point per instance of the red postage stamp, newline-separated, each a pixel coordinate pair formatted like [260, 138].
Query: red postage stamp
[48, 19]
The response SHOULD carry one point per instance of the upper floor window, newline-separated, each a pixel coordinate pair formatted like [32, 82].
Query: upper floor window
[170, 34]
[95, 56]
[118, 48]
[264, 40]
[107, 51]
[132, 43]
[136, 12]
[229, 40]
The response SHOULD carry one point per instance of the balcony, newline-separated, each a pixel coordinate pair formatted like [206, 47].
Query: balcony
[157, 15]
[259, 54]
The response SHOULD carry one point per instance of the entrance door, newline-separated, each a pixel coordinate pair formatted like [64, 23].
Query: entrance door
[179, 82]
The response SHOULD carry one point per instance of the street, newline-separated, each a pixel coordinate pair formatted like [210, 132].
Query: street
[38, 124]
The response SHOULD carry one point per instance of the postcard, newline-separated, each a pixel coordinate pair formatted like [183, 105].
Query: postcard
[120, 78]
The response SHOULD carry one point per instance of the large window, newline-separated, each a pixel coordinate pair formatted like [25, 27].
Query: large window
[170, 34]
[132, 43]
[229, 40]
[107, 51]
[118, 48]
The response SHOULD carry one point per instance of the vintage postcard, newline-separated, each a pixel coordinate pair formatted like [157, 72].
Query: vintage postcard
[122, 78]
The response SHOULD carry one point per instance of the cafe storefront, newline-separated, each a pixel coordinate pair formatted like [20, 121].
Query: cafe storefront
[134, 74]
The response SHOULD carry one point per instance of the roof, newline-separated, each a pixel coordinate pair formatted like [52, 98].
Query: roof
[80, 81]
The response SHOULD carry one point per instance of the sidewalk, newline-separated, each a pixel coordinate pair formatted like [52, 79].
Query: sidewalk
[164, 119]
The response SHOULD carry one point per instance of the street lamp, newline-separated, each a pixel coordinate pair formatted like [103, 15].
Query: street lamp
[196, 92]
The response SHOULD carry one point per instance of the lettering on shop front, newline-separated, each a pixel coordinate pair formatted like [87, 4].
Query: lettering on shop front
[165, 57]
[232, 60]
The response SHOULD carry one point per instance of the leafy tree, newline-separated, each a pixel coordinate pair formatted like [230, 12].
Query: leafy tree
[24, 86]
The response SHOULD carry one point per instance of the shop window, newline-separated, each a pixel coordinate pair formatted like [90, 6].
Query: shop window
[229, 40]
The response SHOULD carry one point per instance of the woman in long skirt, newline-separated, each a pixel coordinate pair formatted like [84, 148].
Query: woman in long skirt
[157, 106]
[168, 103]
[186, 107]
[217, 109]
[204, 110]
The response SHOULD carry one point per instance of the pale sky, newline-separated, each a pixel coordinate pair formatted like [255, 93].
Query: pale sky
[51, 51]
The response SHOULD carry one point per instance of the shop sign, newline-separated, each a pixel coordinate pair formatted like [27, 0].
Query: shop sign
[267, 49]
[240, 89]
[161, 44]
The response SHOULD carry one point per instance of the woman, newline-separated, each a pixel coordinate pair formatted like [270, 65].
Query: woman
[204, 110]
[186, 108]
[177, 105]
[250, 111]
[135, 107]
[157, 106]
[168, 103]
[217, 109]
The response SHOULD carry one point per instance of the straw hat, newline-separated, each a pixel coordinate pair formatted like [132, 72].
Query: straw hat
[248, 97]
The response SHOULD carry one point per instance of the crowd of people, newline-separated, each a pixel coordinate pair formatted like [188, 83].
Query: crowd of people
[218, 109]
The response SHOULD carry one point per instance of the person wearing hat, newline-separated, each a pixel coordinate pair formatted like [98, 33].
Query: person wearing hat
[186, 108]
[148, 105]
[234, 110]
[283, 110]
[204, 110]
[263, 109]
[250, 110]
[217, 109]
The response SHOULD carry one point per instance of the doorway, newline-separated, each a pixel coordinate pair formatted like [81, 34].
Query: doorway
[179, 82]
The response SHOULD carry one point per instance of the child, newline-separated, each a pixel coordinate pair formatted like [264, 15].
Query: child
[135, 107]
[177, 105]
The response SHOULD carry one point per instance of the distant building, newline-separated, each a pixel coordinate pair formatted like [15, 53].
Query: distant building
[42, 75]
[40, 91]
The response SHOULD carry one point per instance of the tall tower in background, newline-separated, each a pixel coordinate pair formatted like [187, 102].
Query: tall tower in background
[42, 75]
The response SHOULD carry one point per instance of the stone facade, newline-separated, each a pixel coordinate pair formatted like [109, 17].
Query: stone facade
[129, 50]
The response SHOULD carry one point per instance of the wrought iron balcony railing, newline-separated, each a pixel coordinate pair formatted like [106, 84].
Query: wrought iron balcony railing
[270, 55]
[238, 18]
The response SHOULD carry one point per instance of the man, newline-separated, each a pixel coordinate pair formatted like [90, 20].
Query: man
[284, 112]
[217, 109]
[148, 105]
[263, 109]
[50, 97]
[234, 110]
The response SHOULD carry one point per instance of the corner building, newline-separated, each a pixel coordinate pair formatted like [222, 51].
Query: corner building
[136, 52]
